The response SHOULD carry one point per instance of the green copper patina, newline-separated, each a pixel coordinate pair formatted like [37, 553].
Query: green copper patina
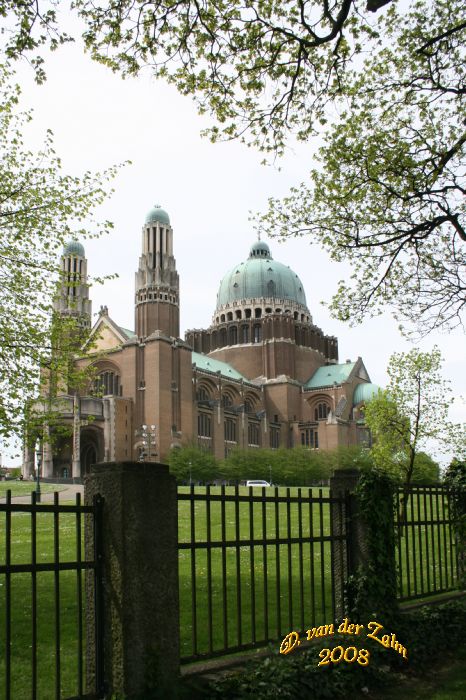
[260, 277]
[158, 214]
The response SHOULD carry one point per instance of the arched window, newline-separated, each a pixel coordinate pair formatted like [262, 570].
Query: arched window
[233, 335]
[229, 316]
[202, 394]
[245, 334]
[222, 318]
[223, 337]
[107, 384]
[257, 333]
[226, 401]
[257, 312]
[230, 429]
[321, 411]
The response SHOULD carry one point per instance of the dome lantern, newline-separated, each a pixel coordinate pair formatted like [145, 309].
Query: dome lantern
[260, 249]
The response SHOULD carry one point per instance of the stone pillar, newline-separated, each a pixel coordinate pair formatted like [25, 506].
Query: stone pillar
[47, 458]
[47, 454]
[356, 550]
[76, 463]
[28, 461]
[140, 572]
[349, 552]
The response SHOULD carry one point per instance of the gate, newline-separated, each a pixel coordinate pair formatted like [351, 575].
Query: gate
[43, 582]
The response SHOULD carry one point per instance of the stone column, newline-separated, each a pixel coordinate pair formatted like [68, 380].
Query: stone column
[361, 558]
[140, 588]
[47, 454]
[28, 461]
[47, 457]
[76, 464]
[348, 552]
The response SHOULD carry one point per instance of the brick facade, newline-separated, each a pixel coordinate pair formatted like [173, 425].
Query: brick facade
[252, 379]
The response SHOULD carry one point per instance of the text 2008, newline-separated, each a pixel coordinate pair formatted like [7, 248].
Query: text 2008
[338, 654]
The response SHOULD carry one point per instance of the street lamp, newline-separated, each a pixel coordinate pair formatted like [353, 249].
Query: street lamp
[38, 466]
[147, 432]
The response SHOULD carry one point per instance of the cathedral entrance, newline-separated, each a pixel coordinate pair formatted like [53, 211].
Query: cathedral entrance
[92, 448]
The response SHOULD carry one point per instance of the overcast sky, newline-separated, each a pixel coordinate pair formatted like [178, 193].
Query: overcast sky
[208, 190]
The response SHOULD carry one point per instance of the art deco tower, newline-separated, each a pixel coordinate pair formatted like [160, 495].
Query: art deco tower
[73, 294]
[157, 282]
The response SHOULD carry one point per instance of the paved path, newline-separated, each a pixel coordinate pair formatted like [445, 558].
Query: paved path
[67, 494]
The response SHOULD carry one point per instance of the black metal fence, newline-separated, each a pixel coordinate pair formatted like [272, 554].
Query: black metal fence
[42, 621]
[427, 551]
[255, 565]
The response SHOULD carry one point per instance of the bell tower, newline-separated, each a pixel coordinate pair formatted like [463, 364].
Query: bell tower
[73, 293]
[157, 281]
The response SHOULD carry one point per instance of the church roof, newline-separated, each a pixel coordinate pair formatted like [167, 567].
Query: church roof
[127, 332]
[204, 362]
[260, 277]
[330, 375]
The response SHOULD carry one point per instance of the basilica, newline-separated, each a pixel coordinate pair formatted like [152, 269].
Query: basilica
[261, 375]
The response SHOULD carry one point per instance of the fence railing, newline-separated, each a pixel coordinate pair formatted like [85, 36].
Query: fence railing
[427, 553]
[255, 564]
[42, 619]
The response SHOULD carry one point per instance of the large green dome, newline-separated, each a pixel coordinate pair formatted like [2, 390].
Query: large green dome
[260, 277]
[158, 214]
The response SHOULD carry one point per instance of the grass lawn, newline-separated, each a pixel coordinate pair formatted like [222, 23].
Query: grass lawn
[276, 587]
[21, 608]
[426, 551]
[22, 488]
[257, 592]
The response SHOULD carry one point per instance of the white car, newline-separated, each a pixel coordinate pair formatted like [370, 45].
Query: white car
[257, 482]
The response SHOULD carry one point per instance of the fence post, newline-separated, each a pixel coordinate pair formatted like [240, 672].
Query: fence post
[377, 584]
[140, 578]
[345, 551]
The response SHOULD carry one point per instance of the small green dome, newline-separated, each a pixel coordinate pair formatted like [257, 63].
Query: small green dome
[365, 392]
[74, 247]
[260, 277]
[158, 214]
[259, 249]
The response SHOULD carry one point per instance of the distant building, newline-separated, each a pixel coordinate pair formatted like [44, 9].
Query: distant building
[261, 375]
